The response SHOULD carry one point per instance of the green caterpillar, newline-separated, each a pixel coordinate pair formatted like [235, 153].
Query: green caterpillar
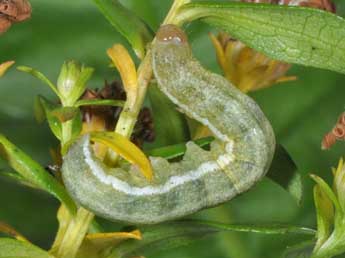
[239, 157]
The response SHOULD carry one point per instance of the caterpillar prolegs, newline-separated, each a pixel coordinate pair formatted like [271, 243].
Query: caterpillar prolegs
[238, 158]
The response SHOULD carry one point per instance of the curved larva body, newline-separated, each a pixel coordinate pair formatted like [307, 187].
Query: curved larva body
[238, 158]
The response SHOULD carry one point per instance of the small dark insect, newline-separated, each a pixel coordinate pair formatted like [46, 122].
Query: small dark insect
[12, 11]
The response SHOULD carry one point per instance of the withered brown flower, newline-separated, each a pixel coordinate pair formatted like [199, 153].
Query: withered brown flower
[104, 118]
[248, 69]
[12, 11]
[336, 134]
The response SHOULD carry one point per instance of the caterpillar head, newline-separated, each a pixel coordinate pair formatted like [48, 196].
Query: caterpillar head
[171, 34]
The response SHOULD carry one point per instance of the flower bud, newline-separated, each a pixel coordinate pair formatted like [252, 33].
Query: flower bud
[72, 82]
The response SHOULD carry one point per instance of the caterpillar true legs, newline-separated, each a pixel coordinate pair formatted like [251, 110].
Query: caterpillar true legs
[239, 157]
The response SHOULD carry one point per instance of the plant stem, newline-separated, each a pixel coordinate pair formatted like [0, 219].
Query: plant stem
[75, 234]
[66, 132]
[128, 116]
[170, 18]
[78, 226]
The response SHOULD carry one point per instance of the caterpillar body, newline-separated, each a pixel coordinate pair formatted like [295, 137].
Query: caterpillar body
[239, 157]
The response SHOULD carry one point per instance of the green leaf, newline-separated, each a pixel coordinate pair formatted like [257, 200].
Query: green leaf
[177, 150]
[18, 179]
[77, 125]
[327, 191]
[19, 249]
[33, 172]
[39, 112]
[324, 215]
[64, 114]
[284, 172]
[100, 102]
[173, 234]
[53, 121]
[170, 125]
[292, 34]
[303, 250]
[127, 23]
[39, 76]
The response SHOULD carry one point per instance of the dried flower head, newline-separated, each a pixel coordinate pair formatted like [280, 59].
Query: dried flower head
[12, 11]
[104, 118]
[246, 68]
[336, 134]
[249, 70]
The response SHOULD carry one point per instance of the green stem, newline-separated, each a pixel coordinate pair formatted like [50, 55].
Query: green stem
[72, 229]
[75, 234]
[128, 116]
[78, 226]
[66, 132]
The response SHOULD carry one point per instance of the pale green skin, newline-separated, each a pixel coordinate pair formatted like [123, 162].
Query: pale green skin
[199, 94]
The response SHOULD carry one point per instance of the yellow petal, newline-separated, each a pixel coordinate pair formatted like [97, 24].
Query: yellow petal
[222, 60]
[94, 244]
[7, 229]
[125, 65]
[102, 240]
[5, 66]
[126, 149]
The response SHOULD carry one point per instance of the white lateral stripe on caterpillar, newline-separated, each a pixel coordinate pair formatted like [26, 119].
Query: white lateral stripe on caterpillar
[174, 181]
[237, 159]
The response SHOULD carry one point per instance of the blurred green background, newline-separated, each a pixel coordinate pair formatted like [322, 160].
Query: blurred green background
[301, 113]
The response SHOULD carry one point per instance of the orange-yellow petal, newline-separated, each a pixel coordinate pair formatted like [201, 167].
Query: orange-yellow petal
[126, 149]
[4, 67]
[125, 65]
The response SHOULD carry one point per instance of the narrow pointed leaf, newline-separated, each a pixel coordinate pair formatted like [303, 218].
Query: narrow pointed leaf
[95, 244]
[13, 248]
[127, 23]
[17, 178]
[126, 149]
[99, 102]
[65, 114]
[305, 36]
[53, 121]
[39, 76]
[324, 215]
[174, 234]
[327, 190]
[39, 112]
[33, 172]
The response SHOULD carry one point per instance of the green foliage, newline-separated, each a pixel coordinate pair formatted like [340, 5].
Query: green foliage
[298, 35]
[15, 248]
[127, 23]
[32, 172]
[174, 234]
[293, 110]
